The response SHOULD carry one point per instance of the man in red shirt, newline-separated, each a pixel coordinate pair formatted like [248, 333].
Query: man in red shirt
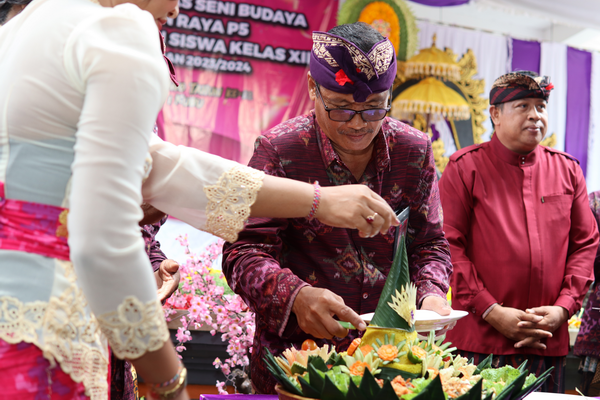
[521, 234]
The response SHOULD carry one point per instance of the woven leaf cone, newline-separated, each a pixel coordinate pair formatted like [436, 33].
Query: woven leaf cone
[431, 96]
[386, 320]
[432, 62]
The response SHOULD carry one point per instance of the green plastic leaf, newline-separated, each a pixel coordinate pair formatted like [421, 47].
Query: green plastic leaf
[390, 373]
[331, 391]
[354, 392]
[397, 279]
[433, 391]
[485, 364]
[318, 363]
[474, 393]
[533, 386]
[308, 390]
[368, 386]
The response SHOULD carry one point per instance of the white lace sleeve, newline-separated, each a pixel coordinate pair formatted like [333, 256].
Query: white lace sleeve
[204, 190]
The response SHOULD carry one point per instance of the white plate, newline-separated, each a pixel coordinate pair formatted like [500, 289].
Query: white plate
[426, 320]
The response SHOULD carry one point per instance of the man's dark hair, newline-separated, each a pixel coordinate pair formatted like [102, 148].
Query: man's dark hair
[364, 36]
[7, 5]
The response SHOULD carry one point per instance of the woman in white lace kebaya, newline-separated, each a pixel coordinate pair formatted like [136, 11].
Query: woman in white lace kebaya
[80, 88]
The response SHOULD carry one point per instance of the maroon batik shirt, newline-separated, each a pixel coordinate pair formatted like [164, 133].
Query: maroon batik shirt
[274, 258]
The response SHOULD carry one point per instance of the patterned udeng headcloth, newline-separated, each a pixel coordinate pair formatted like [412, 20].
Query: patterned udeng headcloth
[339, 65]
[515, 86]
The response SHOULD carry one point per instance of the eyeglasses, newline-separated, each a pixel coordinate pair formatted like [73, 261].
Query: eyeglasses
[345, 114]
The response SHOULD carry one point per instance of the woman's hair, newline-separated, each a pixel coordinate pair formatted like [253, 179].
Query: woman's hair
[7, 5]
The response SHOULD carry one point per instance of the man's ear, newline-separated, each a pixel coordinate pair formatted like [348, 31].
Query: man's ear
[312, 87]
[495, 114]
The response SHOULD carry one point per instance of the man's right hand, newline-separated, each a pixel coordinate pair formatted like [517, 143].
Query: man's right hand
[314, 309]
[505, 320]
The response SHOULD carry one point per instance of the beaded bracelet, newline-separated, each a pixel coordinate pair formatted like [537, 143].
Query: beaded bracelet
[172, 393]
[316, 201]
[170, 381]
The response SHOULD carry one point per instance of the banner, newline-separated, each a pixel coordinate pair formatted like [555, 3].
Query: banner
[242, 70]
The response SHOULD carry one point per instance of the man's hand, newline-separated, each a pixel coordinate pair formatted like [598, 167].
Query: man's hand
[437, 304]
[167, 278]
[440, 306]
[548, 318]
[314, 309]
[506, 320]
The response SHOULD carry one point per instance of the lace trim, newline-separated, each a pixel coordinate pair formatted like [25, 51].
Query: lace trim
[64, 330]
[230, 199]
[135, 328]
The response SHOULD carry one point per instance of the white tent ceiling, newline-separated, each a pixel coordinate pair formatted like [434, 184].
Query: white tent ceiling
[574, 22]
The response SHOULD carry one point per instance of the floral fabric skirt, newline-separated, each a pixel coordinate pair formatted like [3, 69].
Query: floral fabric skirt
[26, 375]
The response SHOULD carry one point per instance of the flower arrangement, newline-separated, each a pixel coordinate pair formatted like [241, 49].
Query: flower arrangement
[204, 293]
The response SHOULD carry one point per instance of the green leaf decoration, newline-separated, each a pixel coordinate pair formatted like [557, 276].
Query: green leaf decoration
[354, 392]
[298, 368]
[534, 386]
[279, 374]
[397, 279]
[485, 364]
[474, 393]
[513, 387]
[433, 391]
[368, 386]
[522, 366]
[308, 390]
[318, 363]
[317, 378]
[390, 373]
[489, 396]
[387, 392]
[331, 391]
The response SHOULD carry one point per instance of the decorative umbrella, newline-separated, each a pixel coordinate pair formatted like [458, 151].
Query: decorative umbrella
[432, 62]
[431, 96]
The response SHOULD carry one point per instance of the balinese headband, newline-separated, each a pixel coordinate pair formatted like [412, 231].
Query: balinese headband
[342, 67]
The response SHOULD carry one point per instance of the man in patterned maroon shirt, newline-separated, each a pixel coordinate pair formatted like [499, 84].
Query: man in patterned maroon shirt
[297, 274]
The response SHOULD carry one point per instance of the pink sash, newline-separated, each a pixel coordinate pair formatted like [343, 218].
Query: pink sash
[33, 227]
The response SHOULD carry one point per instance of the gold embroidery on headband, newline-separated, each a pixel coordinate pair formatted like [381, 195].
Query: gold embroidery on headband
[379, 58]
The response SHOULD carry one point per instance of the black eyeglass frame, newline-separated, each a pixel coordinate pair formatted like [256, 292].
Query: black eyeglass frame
[354, 112]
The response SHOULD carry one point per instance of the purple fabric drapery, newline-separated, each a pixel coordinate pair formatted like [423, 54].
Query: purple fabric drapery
[579, 80]
[526, 55]
[441, 3]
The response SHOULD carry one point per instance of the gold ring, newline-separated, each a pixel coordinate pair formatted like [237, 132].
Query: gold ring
[371, 218]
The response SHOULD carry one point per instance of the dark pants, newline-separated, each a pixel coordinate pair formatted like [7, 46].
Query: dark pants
[535, 364]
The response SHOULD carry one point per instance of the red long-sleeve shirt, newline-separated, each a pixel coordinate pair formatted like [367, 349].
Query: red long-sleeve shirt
[521, 234]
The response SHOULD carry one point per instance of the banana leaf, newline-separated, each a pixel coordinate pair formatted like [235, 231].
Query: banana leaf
[387, 392]
[474, 393]
[390, 373]
[317, 381]
[525, 391]
[433, 391]
[513, 387]
[318, 363]
[308, 390]
[331, 391]
[398, 278]
[368, 386]
[280, 375]
[485, 364]
[354, 392]
[523, 366]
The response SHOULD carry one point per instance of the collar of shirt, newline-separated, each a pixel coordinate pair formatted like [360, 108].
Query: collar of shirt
[510, 157]
[329, 155]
